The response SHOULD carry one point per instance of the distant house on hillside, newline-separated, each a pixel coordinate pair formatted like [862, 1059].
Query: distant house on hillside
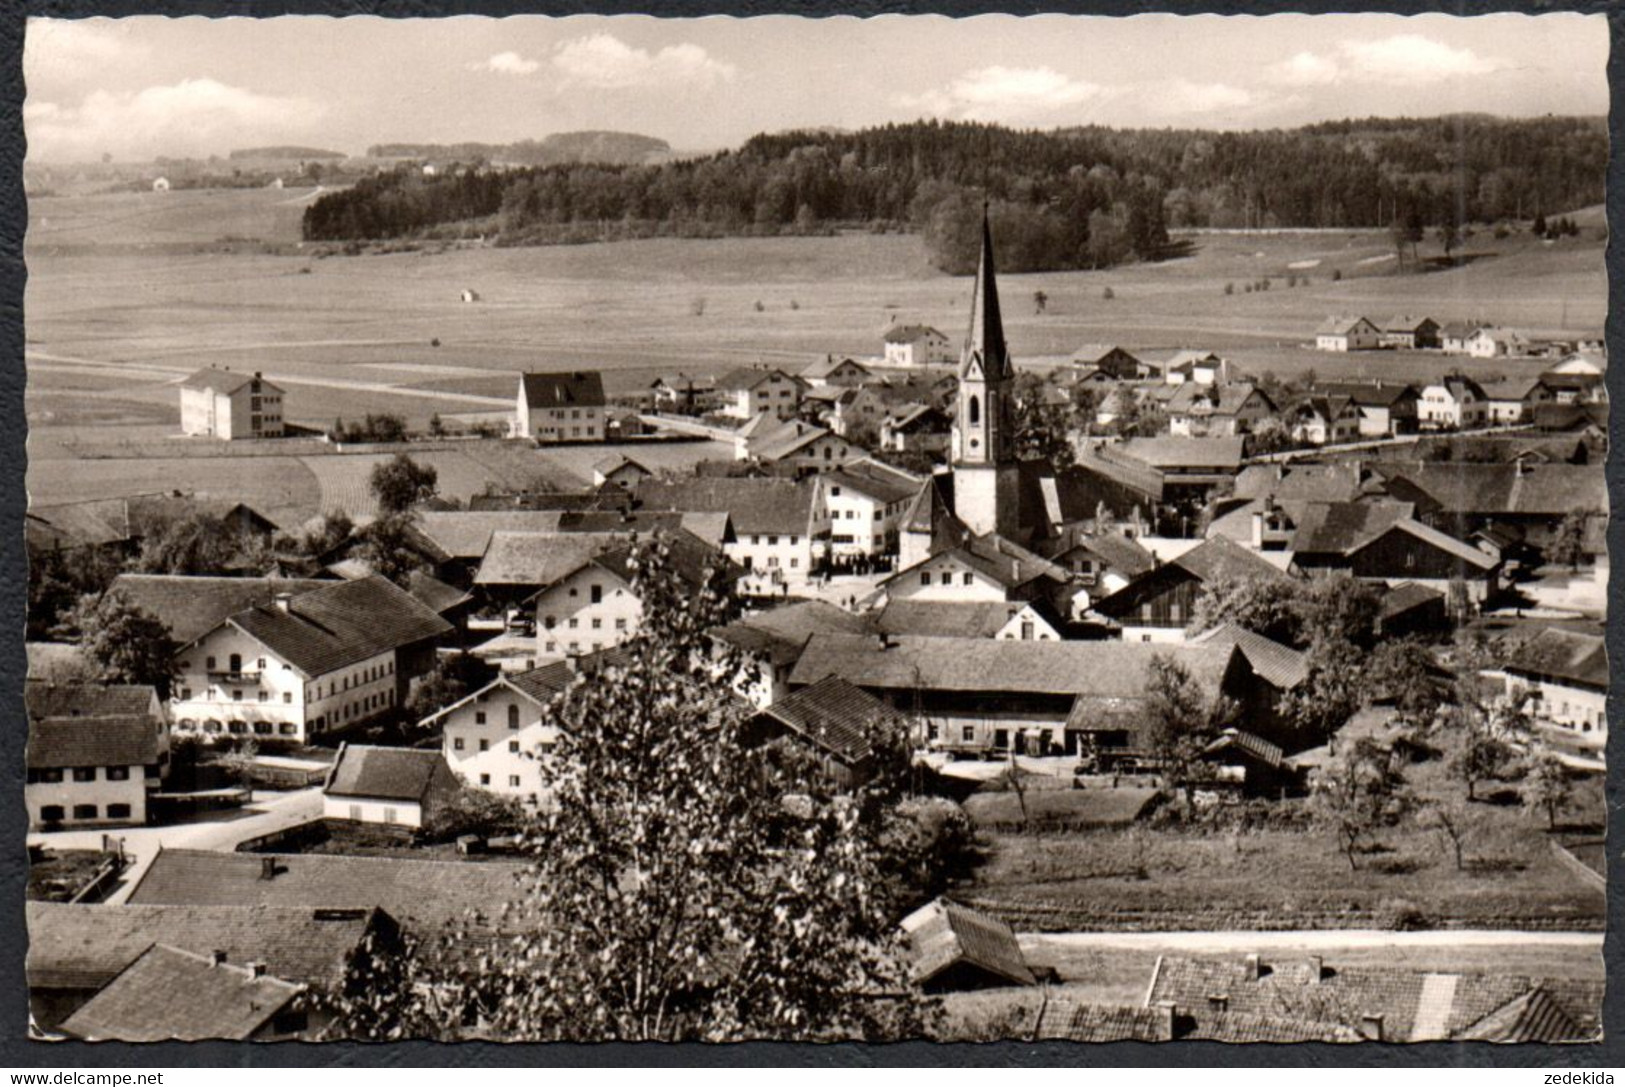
[1347, 334]
[1454, 336]
[832, 370]
[1409, 333]
[222, 404]
[560, 407]
[749, 391]
[1490, 343]
[917, 345]
[1453, 402]
[1111, 360]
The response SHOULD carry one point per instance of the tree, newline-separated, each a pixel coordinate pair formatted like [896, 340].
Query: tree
[689, 883]
[124, 643]
[1178, 723]
[1451, 819]
[1040, 300]
[1404, 671]
[1568, 544]
[1448, 234]
[1360, 794]
[199, 544]
[1331, 693]
[1263, 605]
[1538, 227]
[389, 548]
[333, 529]
[1043, 429]
[437, 428]
[447, 683]
[401, 482]
[1548, 787]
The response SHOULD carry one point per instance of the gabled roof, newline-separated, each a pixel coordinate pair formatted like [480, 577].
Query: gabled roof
[45, 699]
[1064, 1017]
[1564, 654]
[1001, 561]
[787, 439]
[916, 415]
[1253, 747]
[192, 606]
[1119, 552]
[85, 947]
[433, 593]
[1341, 325]
[1460, 549]
[565, 389]
[460, 534]
[1404, 323]
[1460, 330]
[1095, 352]
[1536, 1016]
[1406, 596]
[836, 716]
[58, 743]
[757, 506]
[1384, 394]
[168, 994]
[541, 558]
[1343, 527]
[1221, 557]
[748, 377]
[1282, 667]
[1174, 452]
[224, 382]
[944, 934]
[615, 462]
[781, 633]
[952, 618]
[341, 624]
[828, 365]
[385, 773]
[909, 333]
[876, 480]
[1528, 489]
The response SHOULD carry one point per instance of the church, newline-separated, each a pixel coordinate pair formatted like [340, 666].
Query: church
[990, 503]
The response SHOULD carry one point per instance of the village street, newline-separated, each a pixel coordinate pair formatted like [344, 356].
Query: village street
[218, 830]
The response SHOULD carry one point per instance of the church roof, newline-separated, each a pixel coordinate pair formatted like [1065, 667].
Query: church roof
[985, 342]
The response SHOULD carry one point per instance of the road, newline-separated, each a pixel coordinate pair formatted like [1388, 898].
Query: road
[1237, 942]
[219, 830]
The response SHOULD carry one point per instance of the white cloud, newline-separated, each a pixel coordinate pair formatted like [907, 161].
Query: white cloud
[195, 117]
[508, 63]
[1410, 59]
[63, 46]
[604, 61]
[1180, 97]
[1003, 93]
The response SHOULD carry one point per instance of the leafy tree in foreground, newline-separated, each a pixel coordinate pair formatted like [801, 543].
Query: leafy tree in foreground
[124, 643]
[689, 883]
[401, 482]
[1179, 723]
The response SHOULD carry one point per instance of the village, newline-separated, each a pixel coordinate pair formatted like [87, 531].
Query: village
[1127, 613]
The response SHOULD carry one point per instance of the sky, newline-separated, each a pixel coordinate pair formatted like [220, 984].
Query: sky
[147, 86]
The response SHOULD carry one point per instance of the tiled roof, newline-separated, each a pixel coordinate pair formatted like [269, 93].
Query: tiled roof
[1283, 667]
[1462, 550]
[786, 439]
[757, 506]
[56, 743]
[433, 593]
[837, 716]
[1339, 326]
[385, 773]
[1301, 482]
[1175, 452]
[1002, 561]
[1403, 323]
[1254, 746]
[45, 699]
[1340, 528]
[828, 365]
[604, 498]
[1221, 557]
[84, 947]
[1531, 489]
[947, 618]
[1536, 1016]
[541, 558]
[224, 381]
[748, 377]
[465, 535]
[192, 606]
[1564, 654]
[168, 994]
[1073, 1020]
[1409, 1005]
[909, 333]
[875, 480]
[341, 624]
[575, 388]
[1381, 394]
[944, 934]
[1118, 551]
[615, 462]
[1099, 668]
[781, 633]
[422, 894]
[1405, 596]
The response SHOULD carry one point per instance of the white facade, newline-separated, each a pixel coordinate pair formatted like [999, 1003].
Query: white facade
[87, 796]
[1362, 335]
[1027, 625]
[927, 347]
[492, 740]
[253, 410]
[1439, 408]
[776, 393]
[944, 578]
[1579, 709]
[862, 524]
[586, 611]
[576, 424]
[389, 813]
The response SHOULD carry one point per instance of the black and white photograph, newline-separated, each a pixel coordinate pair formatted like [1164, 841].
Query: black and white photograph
[610, 528]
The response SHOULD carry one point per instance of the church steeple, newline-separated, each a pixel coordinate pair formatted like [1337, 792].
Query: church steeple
[984, 344]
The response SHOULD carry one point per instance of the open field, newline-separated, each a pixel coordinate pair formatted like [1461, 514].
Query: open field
[118, 309]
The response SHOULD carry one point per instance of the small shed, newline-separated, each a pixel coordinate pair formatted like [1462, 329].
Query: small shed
[388, 786]
[468, 295]
[1251, 765]
[954, 947]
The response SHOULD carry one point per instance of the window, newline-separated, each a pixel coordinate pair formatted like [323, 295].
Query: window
[485, 779]
[287, 697]
[835, 492]
[51, 813]
[186, 692]
[236, 662]
[547, 623]
[456, 743]
[968, 580]
[355, 812]
[620, 624]
[262, 728]
[288, 728]
[45, 777]
[391, 817]
[772, 541]
[479, 717]
[84, 773]
[84, 811]
[118, 773]
[513, 781]
[118, 811]
[236, 696]
[513, 716]
[925, 577]
[975, 410]
[1026, 631]
[485, 745]
[513, 747]
[598, 624]
[794, 562]
[597, 594]
[260, 664]
[265, 696]
[968, 733]
[552, 647]
[574, 622]
[209, 664]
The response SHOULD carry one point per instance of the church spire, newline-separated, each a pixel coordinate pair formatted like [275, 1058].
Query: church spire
[985, 343]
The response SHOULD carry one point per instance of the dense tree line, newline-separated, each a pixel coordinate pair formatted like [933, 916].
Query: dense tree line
[1063, 199]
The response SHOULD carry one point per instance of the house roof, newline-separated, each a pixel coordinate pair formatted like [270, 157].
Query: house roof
[460, 534]
[1341, 528]
[909, 333]
[1513, 390]
[385, 773]
[615, 462]
[1001, 561]
[943, 934]
[541, 558]
[1175, 452]
[56, 743]
[1221, 557]
[1340, 325]
[948, 618]
[915, 415]
[757, 506]
[1119, 552]
[423, 894]
[573, 388]
[1415, 1006]
[787, 439]
[1077, 1021]
[1536, 1016]
[876, 480]
[748, 377]
[1404, 323]
[341, 624]
[1460, 330]
[433, 593]
[84, 947]
[192, 606]
[781, 633]
[907, 663]
[224, 382]
[168, 994]
[1254, 747]
[1282, 667]
[828, 365]
[1095, 352]
[1383, 394]
[1529, 489]
[1564, 654]
[1406, 596]
[46, 699]
[836, 716]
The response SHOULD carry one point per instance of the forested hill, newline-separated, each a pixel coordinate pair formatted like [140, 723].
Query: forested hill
[613, 148]
[1061, 199]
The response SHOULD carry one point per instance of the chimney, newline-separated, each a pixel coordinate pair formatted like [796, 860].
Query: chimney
[217, 958]
[1166, 1013]
[267, 867]
[283, 600]
[256, 969]
[1258, 531]
[1371, 1026]
[1253, 970]
[1317, 969]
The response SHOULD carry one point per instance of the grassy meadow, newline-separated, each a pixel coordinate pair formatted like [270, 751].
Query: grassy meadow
[129, 292]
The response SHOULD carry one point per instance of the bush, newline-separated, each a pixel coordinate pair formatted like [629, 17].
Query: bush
[1229, 288]
[759, 306]
[1337, 274]
[1108, 294]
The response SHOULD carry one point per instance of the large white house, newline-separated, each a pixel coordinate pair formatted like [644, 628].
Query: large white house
[1347, 334]
[1565, 676]
[561, 407]
[1453, 402]
[95, 751]
[224, 404]
[867, 502]
[917, 345]
[748, 392]
[781, 527]
[287, 659]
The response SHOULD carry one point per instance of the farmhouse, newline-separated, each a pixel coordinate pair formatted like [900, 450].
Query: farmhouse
[1526, 498]
[619, 470]
[1490, 343]
[1347, 334]
[772, 640]
[1319, 420]
[387, 786]
[1381, 541]
[1220, 411]
[1454, 402]
[95, 751]
[751, 391]
[1510, 402]
[1386, 409]
[288, 659]
[798, 445]
[916, 345]
[1408, 333]
[1455, 336]
[1113, 361]
[1565, 676]
[1100, 561]
[1201, 367]
[560, 407]
[222, 404]
[981, 568]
